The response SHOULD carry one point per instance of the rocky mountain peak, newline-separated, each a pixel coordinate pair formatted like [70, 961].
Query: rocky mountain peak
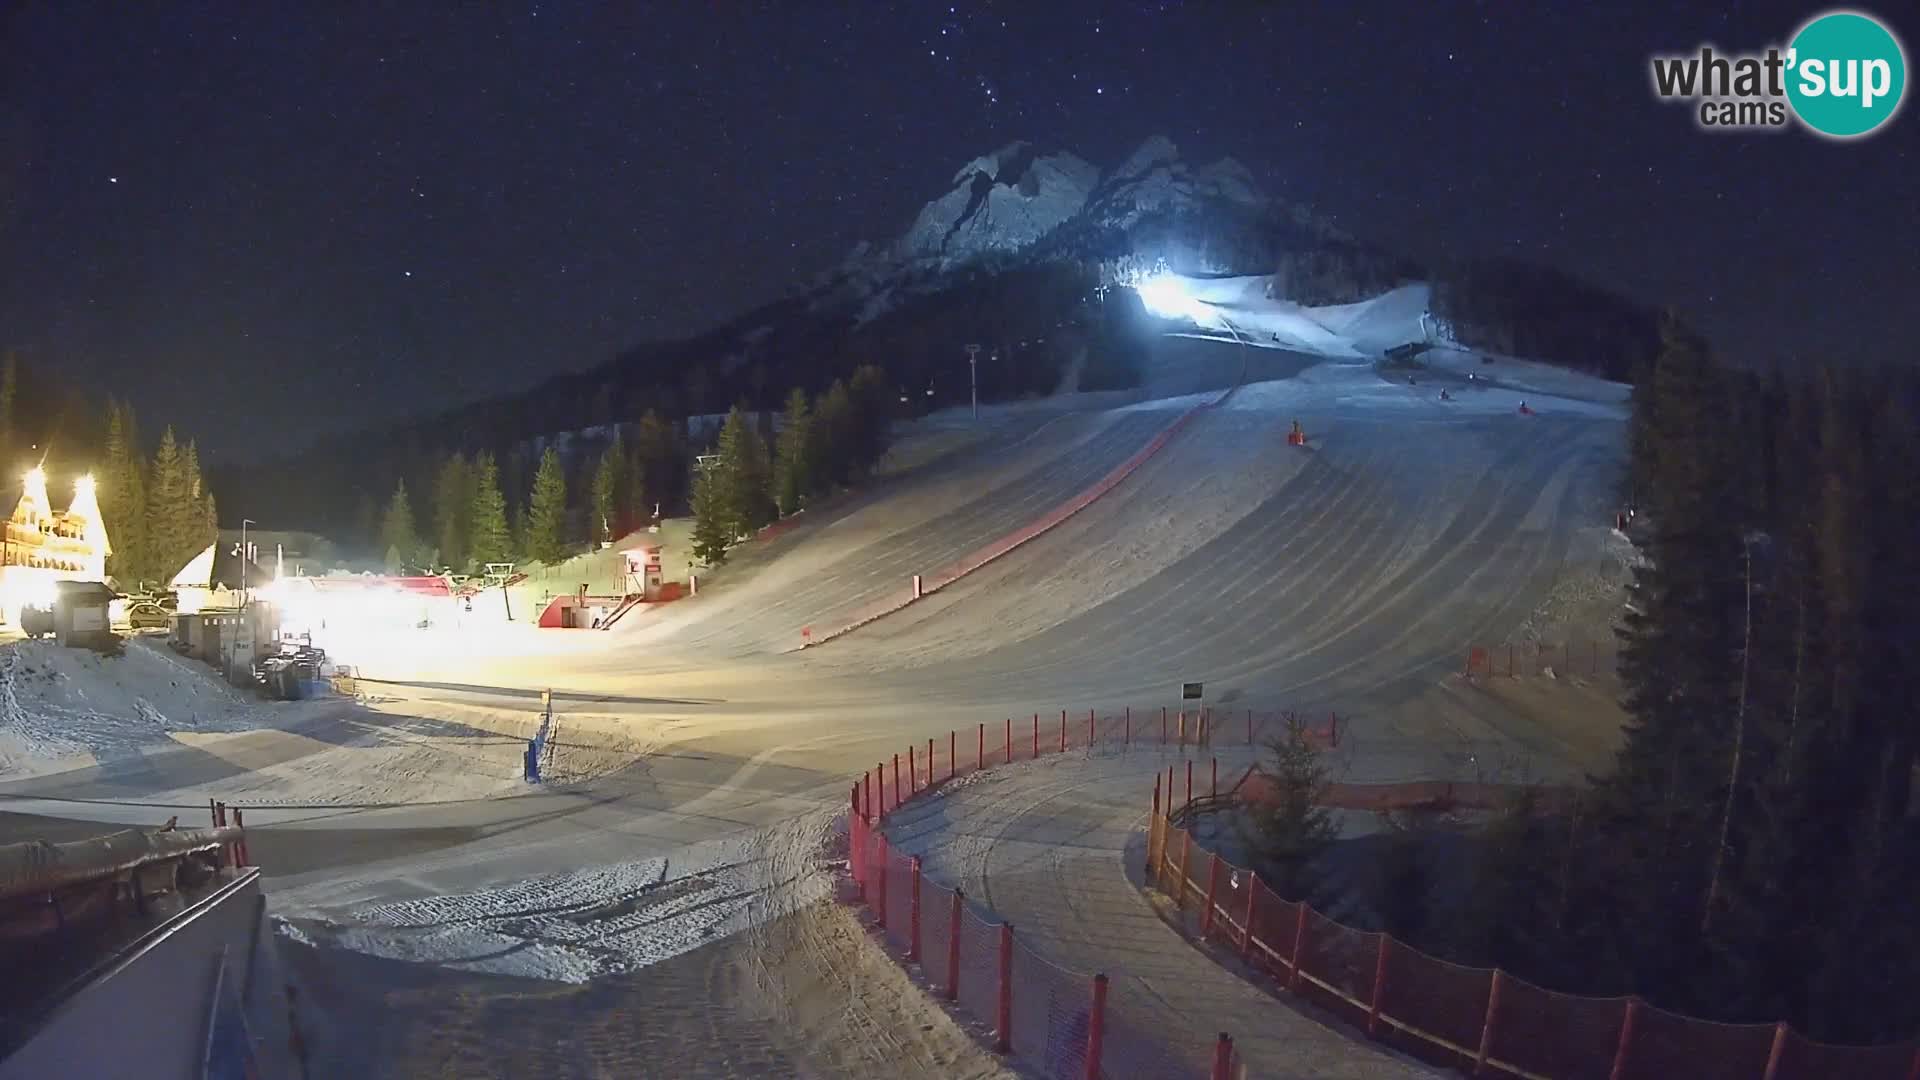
[1001, 201]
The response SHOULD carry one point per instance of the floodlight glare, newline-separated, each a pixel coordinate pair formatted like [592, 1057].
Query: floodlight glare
[1166, 296]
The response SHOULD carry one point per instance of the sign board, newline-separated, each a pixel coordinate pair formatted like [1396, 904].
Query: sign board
[1190, 691]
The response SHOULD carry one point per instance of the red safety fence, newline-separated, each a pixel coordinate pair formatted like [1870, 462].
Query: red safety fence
[1063, 1023]
[1481, 1020]
[1526, 658]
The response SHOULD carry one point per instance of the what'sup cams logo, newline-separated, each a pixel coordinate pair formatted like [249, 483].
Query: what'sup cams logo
[1842, 76]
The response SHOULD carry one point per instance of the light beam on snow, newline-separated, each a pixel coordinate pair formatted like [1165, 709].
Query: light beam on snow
[1168, 297]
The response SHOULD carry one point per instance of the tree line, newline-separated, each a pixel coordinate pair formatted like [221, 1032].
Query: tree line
[1754, 853]
[823, 442]
[476, 513]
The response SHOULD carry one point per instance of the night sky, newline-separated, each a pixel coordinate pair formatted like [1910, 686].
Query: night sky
[264, 222]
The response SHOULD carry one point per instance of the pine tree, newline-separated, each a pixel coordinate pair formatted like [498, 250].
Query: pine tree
[740, 477]
[117, 509]
[658, 452]
[547, 511]
[203, 520]
[397, 533]
[833, 438]
[793, 465]
[453, 492]
[1290, 829]
[610, 497]
[491, 540]
[712, 524]
[172, 513]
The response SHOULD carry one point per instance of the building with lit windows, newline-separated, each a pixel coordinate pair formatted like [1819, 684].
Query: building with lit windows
[43, 545]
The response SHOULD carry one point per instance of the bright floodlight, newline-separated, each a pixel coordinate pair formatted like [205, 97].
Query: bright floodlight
[1166, 296]
[36, 477]
[84, 485]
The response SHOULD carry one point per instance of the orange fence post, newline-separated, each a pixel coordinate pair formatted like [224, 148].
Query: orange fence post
[913, 774]
[896, 781]
[1223, 1057]
[1090, 732]
[1096, 1026]
[1299, 941]
[953, 948]
[980, 749]
[929, 761]
[1189, 779]
[1036, 734]
[953, 753]
[1487, 1026]
[1619, 1071]
[1213, 787]
[1213, 888]
[1776, 1052]
[1009, 742]
[1063, 731]
[1180, 727]
[1003, 1034]
[1379, 986]
[913, 909]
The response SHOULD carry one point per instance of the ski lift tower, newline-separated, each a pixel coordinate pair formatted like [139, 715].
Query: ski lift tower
[973, 377]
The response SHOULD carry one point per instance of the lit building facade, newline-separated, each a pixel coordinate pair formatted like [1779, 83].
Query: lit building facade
[43, 545]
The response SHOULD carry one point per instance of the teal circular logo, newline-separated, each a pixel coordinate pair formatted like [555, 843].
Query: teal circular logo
[1846, 74]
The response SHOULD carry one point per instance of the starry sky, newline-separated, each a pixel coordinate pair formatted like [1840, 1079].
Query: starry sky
[270, 221]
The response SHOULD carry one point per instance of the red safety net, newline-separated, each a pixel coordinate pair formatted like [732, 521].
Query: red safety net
[1665, 1044]
[1804, 1059]
[979, 966]
[1051, 1013]
[1445, 1004]
[1274, 921]
[1339, 962]
[936, 931]
[1135, 1046]
[1557, 1035]
[899, 901]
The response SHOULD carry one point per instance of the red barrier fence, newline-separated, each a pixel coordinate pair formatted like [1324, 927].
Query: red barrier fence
[1064, 1023]
[1480, 1020]
[1527, 658]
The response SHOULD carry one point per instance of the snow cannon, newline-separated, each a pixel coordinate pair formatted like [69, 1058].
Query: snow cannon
[1296, 437]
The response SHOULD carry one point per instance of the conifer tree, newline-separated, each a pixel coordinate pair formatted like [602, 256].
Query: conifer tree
[1289, 831]
[833, 437]
[172, 516]
[547, 511]
[491, 541]
[610, 496]
[793, 465]
[712, 520]
[398, 536]
[453, 494]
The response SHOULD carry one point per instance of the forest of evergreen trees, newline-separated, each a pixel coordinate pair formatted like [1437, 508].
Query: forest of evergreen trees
[1754, 854]
[475, 515]
[158, 510]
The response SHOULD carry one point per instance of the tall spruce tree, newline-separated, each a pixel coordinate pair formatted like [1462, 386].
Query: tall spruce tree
[491, 542]
[712, 519]
[547, 511]
[173, 514]
[125, 519]
[793, 465]
[398, 536]
[611, 514]
[453, 491]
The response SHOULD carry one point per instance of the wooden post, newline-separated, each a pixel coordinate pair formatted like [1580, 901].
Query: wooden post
[1776, 1052]
[1213, 889]
[913, 908]
[1487, 1026]
[1299, 942]
[1625, 1047]
[953, 948]
[1379, 986]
